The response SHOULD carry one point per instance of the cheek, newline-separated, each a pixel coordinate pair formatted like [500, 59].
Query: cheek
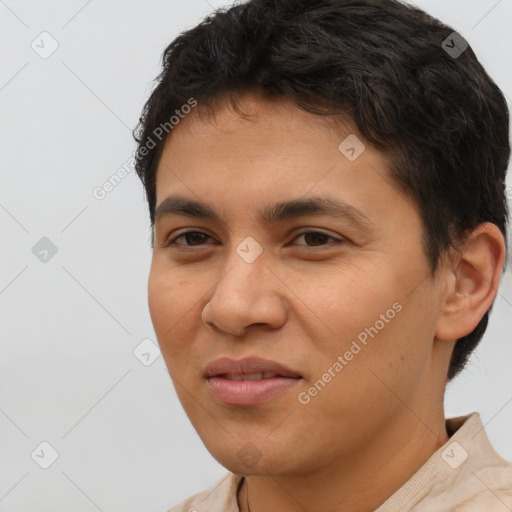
[174, 301]
[373, 319]
[348, 301]
[396, 355]
[158, 302]
[169, 301]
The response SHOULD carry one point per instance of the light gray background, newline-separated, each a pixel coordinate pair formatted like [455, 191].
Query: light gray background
[68, 374]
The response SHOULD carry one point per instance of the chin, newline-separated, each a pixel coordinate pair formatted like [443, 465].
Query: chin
[244, 458]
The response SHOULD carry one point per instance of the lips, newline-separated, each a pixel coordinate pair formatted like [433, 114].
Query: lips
[250, 376]
[248, 368]
[248, 382]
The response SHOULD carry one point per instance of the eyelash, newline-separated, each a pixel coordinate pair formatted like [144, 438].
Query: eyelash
[173, 241]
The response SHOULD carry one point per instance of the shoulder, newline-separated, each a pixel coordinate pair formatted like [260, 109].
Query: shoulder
[472, 476]
[464, 475]
[222, 497]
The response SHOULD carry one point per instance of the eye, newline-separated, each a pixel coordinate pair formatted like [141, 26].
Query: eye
[316, 238]
[190, 236]
[194, 238]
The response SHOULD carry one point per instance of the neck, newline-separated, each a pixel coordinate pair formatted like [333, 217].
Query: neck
[355, 482]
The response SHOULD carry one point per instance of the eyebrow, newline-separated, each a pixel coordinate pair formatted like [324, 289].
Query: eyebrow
[317, 205]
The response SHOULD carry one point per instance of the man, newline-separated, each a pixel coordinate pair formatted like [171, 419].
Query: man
[326, 186]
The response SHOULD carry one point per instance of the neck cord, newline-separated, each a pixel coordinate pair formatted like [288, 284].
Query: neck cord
[247, 490]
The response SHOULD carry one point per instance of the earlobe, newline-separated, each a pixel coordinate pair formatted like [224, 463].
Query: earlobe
[474, 285]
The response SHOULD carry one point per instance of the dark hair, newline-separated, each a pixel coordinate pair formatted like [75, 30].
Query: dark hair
[384, 65]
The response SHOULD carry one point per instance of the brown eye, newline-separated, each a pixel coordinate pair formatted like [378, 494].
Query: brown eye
[192, 238]
[316, 238]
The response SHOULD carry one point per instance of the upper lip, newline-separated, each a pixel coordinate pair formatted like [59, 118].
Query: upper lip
[225, 365]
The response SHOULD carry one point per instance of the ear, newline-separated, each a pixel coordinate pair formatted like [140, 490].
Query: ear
[474, 279]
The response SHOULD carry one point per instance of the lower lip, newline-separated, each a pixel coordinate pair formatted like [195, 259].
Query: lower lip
[248, 392]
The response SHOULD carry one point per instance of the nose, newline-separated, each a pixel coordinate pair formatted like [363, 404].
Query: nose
[248, 294]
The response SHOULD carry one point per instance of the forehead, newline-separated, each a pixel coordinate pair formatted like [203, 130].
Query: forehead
[274, 151]
[276, 122]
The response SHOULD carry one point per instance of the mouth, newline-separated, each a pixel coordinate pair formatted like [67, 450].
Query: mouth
[248, 382]
[249, 376]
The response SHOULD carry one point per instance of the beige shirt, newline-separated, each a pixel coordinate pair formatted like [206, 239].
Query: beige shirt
[464, 475]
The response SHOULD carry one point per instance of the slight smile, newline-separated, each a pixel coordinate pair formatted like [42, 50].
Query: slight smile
[248, 382]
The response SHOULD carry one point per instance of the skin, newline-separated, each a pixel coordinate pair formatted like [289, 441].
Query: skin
[303, 301]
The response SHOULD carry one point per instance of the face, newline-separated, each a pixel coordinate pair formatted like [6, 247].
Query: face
[341, 299]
